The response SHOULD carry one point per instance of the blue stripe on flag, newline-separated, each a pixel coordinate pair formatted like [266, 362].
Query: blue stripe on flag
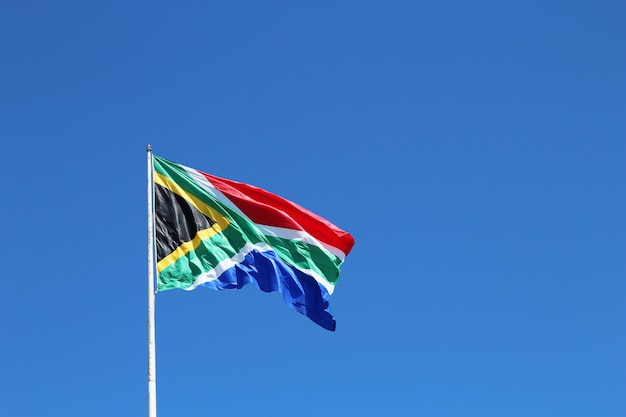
[269, 273]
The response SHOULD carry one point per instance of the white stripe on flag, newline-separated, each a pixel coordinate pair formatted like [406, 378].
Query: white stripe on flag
[291, 234]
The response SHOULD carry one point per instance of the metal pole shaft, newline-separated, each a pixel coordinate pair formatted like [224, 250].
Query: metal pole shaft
[151, 337]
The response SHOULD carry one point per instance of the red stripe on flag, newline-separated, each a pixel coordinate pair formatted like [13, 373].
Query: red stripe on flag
[265, 208]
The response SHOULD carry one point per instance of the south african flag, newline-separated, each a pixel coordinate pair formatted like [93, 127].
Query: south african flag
[224, 234]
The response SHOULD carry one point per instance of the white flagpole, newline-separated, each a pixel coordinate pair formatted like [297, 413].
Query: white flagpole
[151, 338]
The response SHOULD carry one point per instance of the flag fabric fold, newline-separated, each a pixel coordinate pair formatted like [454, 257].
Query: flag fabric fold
[223, 234]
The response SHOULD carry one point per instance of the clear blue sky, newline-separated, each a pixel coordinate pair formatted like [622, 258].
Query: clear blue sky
[475, 150]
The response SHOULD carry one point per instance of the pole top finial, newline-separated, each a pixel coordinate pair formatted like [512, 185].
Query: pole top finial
[148, 148]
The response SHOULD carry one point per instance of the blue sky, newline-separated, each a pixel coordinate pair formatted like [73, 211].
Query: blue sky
[475, 150]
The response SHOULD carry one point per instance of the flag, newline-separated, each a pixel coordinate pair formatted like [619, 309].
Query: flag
[224, 234]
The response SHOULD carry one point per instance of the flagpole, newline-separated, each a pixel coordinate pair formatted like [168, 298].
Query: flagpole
[151, 337]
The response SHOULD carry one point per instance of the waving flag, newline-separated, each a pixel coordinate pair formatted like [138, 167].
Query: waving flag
[224, 234]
